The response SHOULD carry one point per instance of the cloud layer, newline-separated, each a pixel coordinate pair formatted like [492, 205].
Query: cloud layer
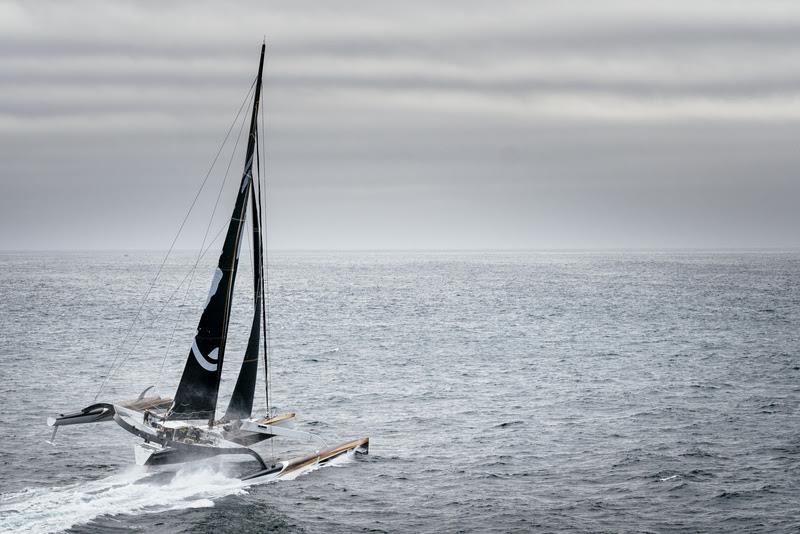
[390, 125]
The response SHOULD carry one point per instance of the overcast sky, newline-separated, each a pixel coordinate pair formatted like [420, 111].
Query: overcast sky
[389, 125]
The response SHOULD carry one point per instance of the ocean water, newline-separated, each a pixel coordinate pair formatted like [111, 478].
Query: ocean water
[502, 392]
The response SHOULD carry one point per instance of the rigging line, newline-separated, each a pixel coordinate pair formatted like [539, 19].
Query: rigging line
[169, 299]
[250, 249]
[172, 245]
[251, 255]
[186, 277]
[133, 347]
[205, 236]
[264, 248]
[257, 203]
[263, 271]
[262, 192]
[263, 289]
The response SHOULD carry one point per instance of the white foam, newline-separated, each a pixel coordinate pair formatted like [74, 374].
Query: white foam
[130, 491]
[134, 490]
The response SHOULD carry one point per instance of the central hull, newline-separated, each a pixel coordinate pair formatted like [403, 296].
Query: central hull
[148, 453]
[180, 443]
[152, 454]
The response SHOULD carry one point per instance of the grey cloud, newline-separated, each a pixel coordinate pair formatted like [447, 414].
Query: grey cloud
[445, 124]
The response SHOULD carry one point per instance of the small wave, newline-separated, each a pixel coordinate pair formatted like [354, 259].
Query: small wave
[629, 459]
[734, 494]
[700, 475]
[747, 493]
[699, 453]
[508, 423]
[698, 385]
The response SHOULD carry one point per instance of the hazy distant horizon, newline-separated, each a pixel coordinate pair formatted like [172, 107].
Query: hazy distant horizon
[723, 250]
[444, 125]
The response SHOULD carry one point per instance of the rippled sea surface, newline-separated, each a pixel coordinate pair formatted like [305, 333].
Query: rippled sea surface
[502, 392]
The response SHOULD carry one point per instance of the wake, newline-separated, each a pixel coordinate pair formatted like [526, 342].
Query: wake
[135, 490]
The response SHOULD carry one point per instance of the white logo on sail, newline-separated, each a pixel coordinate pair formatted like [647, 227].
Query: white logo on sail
[205, 364]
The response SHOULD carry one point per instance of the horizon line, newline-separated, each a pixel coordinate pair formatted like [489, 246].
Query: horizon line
[427, 249]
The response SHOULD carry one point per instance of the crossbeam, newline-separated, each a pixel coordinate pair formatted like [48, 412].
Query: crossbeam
[277, 430]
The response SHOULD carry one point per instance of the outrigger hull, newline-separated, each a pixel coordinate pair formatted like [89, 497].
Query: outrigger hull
[286, 467]
[103, 411]
[95, 413]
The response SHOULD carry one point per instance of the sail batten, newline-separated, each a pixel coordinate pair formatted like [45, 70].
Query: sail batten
[196, 397]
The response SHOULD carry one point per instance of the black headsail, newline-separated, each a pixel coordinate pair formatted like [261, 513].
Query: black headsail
[196, 397]
[241, 403]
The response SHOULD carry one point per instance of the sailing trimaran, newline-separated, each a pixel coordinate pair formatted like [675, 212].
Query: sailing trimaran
[186, 428]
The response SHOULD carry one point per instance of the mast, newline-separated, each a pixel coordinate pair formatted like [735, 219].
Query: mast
[241, 403]
[264, 277]
[196, 397]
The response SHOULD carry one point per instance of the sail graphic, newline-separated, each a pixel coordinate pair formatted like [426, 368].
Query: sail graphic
[196, 397]
[241, 403]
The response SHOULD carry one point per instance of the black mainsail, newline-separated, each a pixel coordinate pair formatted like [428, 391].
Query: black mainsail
[196, 397]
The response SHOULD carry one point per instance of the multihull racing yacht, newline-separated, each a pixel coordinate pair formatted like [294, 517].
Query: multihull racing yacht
[187, 428]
